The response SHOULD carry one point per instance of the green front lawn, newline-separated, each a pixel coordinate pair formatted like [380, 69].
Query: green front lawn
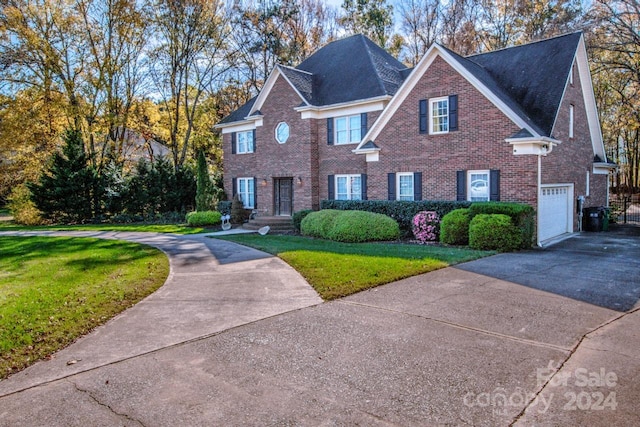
[150, 228]
[339, 269]
[55, 289]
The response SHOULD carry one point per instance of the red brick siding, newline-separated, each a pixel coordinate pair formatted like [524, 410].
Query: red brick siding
[339, 159]
[271, 160]
[478, 144]
[572, 159]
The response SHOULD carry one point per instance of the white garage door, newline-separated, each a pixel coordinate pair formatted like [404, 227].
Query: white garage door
[555, 212]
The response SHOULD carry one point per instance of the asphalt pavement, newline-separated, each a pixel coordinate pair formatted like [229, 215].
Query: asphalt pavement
[540, 337]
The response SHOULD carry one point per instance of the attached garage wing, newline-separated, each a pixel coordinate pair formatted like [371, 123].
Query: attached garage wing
[555, 215]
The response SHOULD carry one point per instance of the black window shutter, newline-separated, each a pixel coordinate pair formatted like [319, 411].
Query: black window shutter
[330, 131]
[453, 112]
[255, 191]
[391, 183]
[254, 141]
[422, 107]
[233, 143]
[234, 187]
[461, 185]
[363, 125]
[417, 186]
[363, 186]
[331, 186]
[494, 185]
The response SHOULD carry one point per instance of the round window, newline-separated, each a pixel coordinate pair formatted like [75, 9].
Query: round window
[282, 132]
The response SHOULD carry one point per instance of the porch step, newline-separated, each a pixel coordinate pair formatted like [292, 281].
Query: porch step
[278, 224]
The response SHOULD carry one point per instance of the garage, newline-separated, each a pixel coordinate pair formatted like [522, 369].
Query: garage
[555, 213]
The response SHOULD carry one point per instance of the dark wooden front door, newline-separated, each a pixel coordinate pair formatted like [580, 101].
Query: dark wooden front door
[283, 196]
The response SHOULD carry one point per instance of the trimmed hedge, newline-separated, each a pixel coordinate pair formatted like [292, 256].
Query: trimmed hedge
[454, 227]
[318, 224]
[350, 226]
[203, 218]
[298, 217]
[522, 216]
[494, 232]
[401, 211]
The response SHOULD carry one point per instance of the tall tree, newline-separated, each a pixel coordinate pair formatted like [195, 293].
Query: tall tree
[615, 52]
[373, 18]
[190, 60]
[116, 35]
[420, 23]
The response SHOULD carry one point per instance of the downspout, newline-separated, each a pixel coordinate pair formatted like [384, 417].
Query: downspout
[539, 200]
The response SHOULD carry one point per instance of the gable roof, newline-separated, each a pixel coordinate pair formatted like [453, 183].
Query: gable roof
[525, 82]
[346, 70]
[534, 75]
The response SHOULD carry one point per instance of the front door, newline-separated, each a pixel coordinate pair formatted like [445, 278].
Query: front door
[283, 196]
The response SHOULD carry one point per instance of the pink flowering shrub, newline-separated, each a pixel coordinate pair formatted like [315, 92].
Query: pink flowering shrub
[426, 226]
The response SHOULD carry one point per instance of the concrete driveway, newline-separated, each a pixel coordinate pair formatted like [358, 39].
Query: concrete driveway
[510, 339]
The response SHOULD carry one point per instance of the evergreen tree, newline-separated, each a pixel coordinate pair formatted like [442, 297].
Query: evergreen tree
[65, 192]
[203, 184]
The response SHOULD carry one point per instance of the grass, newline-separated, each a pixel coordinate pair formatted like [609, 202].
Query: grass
[340, 269]
[150, 228]
[55, 289]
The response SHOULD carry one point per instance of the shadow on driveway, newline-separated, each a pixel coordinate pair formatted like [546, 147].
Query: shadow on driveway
[598, 268]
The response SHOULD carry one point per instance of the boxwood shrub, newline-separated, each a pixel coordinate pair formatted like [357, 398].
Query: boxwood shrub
[454, 227]
[298, 217]
[318, 224]
[400, 210]
[494, 232]
[522, 216]
[350, 226]
[203, 218]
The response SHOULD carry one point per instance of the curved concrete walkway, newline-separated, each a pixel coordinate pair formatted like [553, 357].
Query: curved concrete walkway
[213, 285]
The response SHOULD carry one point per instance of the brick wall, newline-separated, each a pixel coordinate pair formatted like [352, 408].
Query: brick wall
[293, 159]
[572, 160]
[339, 159]
[479, 144]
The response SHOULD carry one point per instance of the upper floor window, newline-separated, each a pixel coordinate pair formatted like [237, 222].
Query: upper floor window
[244, 142]
[348, 129]
[348, 187]
[439, 114]
[571, 120]
[282, 132]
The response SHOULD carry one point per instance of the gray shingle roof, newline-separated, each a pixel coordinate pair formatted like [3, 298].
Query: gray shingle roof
[240, 113]
[352, 69]
[529, 79]
[533, 75]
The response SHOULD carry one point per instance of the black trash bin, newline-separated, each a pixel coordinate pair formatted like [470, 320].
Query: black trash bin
[593, 218]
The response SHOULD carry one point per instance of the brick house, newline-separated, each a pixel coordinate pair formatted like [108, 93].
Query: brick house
[351, 122]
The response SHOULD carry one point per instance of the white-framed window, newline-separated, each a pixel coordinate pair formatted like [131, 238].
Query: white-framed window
[348, 129]
[439, 115]
[247, 192]
[282, 132]
[348, 187]
[404, 186]
[244, 142]
[478, 189]
[571, 120]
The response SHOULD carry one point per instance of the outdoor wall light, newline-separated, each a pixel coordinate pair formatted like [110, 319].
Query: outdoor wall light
[264, 182]
[299, 181]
